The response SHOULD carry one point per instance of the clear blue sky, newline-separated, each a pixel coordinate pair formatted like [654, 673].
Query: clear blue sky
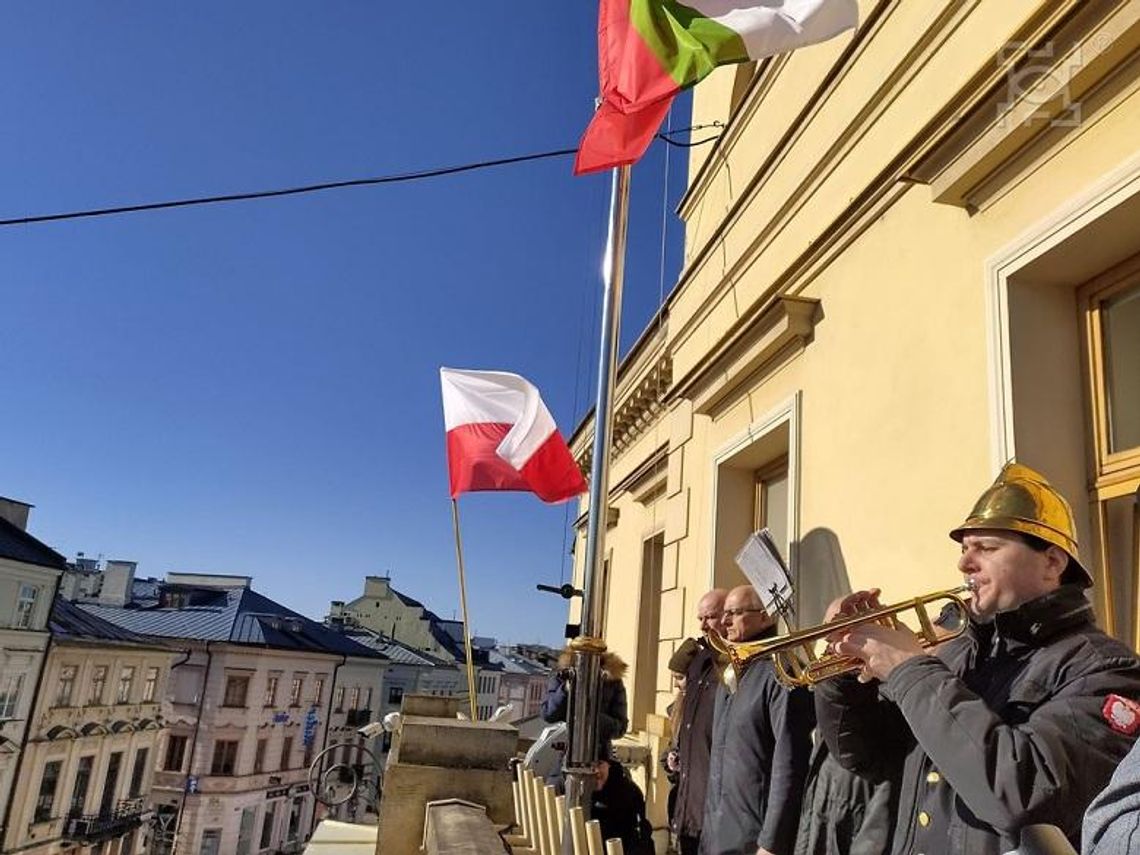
[252, 388]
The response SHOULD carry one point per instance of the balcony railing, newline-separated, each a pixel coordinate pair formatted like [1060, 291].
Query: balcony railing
[105, 825]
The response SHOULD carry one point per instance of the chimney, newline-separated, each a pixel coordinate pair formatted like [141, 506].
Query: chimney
[118, 579]
[377, 586]
[15, 512]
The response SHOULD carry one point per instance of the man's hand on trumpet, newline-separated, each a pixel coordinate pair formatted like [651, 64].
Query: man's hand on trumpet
[880, 648]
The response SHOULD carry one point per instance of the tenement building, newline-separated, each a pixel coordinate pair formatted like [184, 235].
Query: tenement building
[29, 576]
[911, 255]
[247, 711]
[93, 737]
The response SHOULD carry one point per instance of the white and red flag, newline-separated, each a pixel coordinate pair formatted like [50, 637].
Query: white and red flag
[500, 436]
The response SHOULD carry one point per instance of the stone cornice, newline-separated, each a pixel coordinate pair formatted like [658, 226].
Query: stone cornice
[752, 349]
[1037, 87]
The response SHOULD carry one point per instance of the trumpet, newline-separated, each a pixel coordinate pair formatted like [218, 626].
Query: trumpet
[794, 655]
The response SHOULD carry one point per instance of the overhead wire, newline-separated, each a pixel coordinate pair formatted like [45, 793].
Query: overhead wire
[395, 178]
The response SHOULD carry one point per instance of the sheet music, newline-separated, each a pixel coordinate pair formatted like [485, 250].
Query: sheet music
[766, 571]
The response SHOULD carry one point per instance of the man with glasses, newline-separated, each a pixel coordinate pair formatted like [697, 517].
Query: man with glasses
[694, 730]
[761, 747]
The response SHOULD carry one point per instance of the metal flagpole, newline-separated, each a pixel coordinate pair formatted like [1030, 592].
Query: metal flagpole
[589, 647]
[463, 604]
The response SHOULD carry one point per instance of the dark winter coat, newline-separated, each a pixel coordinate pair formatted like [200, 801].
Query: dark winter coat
[619, 808]
[694, 741]
[1112, 822]
[613, 720]
[843, 813]
[761, 747]
[1009, 725]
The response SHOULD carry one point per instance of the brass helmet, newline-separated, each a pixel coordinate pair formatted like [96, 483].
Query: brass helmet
[1022, 500]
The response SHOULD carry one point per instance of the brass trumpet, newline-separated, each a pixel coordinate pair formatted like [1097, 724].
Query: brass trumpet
[797, 663]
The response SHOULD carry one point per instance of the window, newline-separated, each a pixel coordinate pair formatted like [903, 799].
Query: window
[236, 689]
[354, 698]
[82, 784]
[110, 782]
[211, 842]
[138, 774]
[270, 699]
[318, 689]
[150, 685]
[338, 703]
[126, 681]
[295, 817]
[245, 830]
[267, 825]
[66, 686]
[1111, 305]
[308, 761]
[395, 694]
[98, 685]
[287, 752]
[26, 606]
[49, 781]
[10, 695]
[259, 756]
[225, 757]
[295, 691]
[175, 753]
[368, 698]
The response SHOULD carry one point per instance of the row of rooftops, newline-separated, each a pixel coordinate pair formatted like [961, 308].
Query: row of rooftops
[110, 603]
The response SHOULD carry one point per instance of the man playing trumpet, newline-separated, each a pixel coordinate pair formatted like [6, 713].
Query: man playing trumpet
[1018, 721]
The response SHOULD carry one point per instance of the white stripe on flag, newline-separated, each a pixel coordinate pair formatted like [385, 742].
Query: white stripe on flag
[769, 27]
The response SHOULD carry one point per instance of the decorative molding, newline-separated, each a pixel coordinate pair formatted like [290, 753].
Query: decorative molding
[641, 407]
[749, 352]
[1038, 86]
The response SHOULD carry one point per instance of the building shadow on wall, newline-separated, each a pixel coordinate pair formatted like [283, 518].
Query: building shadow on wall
[822, 575]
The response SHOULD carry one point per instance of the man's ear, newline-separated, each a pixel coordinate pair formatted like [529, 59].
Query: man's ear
[1057, 562]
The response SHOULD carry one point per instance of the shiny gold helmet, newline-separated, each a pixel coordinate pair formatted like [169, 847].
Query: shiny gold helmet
[1022, 500]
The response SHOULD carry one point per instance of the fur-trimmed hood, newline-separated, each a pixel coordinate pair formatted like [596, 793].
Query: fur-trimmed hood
[613, 666]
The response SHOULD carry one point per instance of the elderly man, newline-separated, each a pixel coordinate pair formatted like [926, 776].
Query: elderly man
[761, 747]
[694, 731]
[1020, 720]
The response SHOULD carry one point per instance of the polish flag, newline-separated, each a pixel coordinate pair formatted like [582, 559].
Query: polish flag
[500, 436]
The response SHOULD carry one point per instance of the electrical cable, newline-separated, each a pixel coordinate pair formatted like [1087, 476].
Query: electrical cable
[396, 178]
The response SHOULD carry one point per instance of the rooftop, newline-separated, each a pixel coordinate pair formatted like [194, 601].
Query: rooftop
[17, 545]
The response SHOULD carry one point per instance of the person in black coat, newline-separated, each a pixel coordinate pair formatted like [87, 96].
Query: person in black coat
[613, 719]
[619, 807]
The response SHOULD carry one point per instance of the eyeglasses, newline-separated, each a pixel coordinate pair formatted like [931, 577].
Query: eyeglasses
[739, 612]
[711, 616]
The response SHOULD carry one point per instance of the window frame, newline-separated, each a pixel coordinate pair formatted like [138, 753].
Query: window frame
[230, 695]
[10, 697]
[26, 605]
[183, 741]
[98, 682]
[126, 685]
[45, 801]
[225, 754]
[150, 684]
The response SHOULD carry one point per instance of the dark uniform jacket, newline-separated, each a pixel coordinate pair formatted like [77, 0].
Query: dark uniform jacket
[694, 740]
[844, 813]
[761, 747]
[613, 716]
[1010, 725]
[1112, 822]
[619, 808]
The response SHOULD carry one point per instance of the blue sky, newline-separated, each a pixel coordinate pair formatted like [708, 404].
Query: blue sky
[252, 388]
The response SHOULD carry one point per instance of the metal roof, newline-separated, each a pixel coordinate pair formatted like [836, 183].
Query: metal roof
[18, 545]
[68, 621]
[237, 615]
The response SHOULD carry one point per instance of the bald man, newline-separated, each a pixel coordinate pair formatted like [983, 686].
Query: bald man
[694, 731]
[761, 748]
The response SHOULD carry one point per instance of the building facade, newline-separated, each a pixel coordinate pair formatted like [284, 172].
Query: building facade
[93, 739]
[29, 576]
[911, 255]
[248, 710]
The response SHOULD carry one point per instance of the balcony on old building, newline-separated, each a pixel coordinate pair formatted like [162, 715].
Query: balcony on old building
[93, 828]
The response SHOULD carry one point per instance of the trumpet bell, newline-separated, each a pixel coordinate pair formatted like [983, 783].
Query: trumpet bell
[798, 661]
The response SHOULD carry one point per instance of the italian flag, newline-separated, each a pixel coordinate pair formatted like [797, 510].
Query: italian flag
[649, 50]
[501, 436]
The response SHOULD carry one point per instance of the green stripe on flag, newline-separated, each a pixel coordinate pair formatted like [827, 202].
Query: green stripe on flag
[688, 44]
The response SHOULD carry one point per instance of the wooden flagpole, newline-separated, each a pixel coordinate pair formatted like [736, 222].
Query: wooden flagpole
[471, 695]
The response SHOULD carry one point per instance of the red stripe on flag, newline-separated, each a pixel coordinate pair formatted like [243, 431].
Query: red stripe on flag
[552, 473]
[637, 91]
[474, 465]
